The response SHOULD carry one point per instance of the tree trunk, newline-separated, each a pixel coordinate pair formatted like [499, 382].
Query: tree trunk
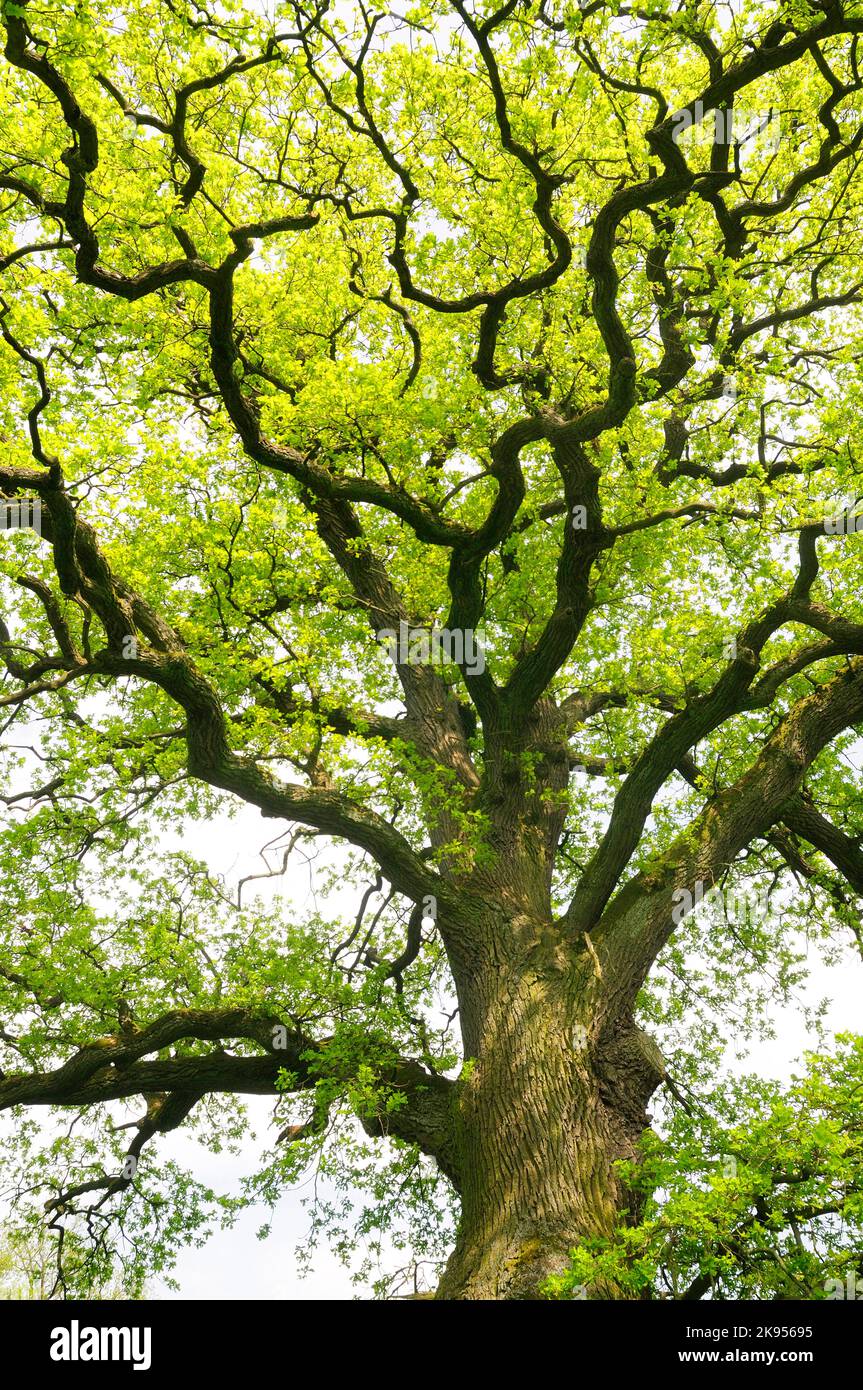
[546, 1108]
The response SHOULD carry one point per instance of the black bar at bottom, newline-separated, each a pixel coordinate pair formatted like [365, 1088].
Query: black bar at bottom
[90, 1340]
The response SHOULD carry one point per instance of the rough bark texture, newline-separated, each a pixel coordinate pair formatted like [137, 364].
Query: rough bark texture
[544, 1114]
[557, 1082]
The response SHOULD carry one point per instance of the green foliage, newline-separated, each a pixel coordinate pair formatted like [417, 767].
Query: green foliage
[752, 1193]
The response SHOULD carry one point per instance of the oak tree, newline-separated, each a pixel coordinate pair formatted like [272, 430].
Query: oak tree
[434, 426]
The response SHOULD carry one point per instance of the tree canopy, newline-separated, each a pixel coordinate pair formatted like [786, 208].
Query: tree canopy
[435, 426]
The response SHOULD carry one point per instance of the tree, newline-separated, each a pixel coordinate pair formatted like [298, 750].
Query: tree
[435, 427]
[28, 1270]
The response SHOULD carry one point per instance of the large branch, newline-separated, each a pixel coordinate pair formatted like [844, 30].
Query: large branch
[84, 572]
[113, 1068]
[640, 919]
[735, 691]
[844, 851]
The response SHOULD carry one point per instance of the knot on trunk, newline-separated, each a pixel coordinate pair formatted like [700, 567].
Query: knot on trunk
[629, 1066]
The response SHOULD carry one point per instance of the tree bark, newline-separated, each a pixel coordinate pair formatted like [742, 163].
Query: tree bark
[546, 1109]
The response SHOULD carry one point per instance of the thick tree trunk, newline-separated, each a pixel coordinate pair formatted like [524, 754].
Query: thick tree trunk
[546, 1109]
